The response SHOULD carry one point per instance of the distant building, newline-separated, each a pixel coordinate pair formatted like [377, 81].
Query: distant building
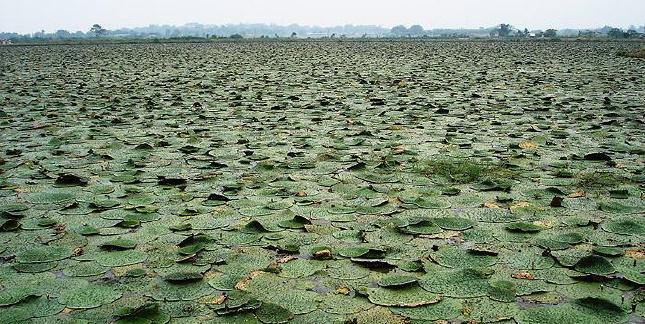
[5, 42]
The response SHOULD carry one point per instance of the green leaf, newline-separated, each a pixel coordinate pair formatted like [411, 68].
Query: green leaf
[595, 265]
[396, 280]
[523, 227]
[88, 296]
[273, 314]
[412, 296]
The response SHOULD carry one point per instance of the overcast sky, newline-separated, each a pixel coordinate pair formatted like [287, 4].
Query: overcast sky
[26, 16]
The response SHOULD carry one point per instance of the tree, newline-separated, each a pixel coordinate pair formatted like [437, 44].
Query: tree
[399, 30]
[294, 35]
[62, 34]
[550, 33]
[616, 33]
[236, 36]
[504, 30]
[416, 30]
[97, 30]
[631, 33]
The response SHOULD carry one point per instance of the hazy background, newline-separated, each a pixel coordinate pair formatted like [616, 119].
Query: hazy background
[25, 16]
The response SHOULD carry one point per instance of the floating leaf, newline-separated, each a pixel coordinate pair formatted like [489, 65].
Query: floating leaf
[119, 244]
[446, 309]
[179, 277]
[502, 290]
[89, 296]
[596, 265]
[523, 227]
[609, 251]
[40, 254]
[297, 222]
[272, 314]
[51, 197]
[396, 281]
[456, 257]
[462, 283]
[120, 258]
[453, 223]
[412, 296]
[67, 179]
[11, 296]
[625, 225]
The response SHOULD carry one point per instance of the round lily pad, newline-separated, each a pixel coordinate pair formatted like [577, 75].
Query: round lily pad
[347, 272]
[9, 225]
[270, 288]
[297, 222]
[300, 268]
[457, 257]
[601, 308]
[580, 311]
[85, 269]
[453, 223]
[625, 225]
[273, 314]
[451, 191]
[120, 258]
[431, 203]
[88, 296]
[254, 227]
[50, 197]
[618, 208]
[34, 308]
[446, 309]
[179, 277]
[34, 267]
[411, 296]
[594, 264]
[462, 283]
[14, 295]
[353, 251]
[523, 227]
[88, 230]
[486, 310]
[608, 251]
[178, 291]
[119, 244]
[318, 316]
[421, 227]
[222, 281]
[570, 238]
[39, 254]
[502, 290]
[396, 281]
[344, 304]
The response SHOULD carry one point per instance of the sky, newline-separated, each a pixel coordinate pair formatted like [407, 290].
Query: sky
[26, 16]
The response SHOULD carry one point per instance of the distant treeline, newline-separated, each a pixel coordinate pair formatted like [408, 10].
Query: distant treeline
[199, 31]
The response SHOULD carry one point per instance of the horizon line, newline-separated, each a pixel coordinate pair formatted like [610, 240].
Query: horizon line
[329, 26]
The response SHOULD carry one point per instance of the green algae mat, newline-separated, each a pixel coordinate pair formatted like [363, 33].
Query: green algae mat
[322, 182]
